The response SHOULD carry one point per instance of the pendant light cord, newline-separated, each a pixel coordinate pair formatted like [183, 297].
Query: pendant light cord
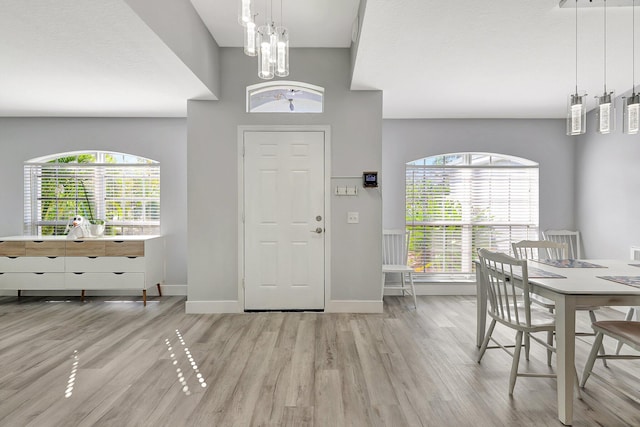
[577, 47]
[633, 46]
[605, 47]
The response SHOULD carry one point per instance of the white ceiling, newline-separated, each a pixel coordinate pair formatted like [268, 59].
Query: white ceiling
[432, 59]
[491, 59]
[87, 58]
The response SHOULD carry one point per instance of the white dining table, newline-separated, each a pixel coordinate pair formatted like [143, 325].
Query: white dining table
[579, 286]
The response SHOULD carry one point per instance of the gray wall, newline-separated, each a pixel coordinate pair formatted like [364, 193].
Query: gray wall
[163, 140]
[543, 141]
[607, 203]
[355, 119]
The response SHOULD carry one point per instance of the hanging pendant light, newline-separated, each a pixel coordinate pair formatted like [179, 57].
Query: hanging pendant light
[265, 65]
[282, 48]
[576, 108]
[606, 111]
[268, 42]
[631, 112]
[250, 38]
[282, 52]
[245, 12]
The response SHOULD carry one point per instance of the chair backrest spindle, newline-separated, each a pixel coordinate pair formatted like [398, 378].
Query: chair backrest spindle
[395, 247]
[571, 238]
[540, 249]
[500, 273]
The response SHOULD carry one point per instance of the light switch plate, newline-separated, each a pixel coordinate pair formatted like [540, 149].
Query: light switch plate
[353, 217]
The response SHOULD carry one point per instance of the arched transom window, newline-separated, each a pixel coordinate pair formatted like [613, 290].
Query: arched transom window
[120, 190]
[285, 97]
[456, 203]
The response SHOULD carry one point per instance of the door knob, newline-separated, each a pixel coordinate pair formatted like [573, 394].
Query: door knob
[317, 230]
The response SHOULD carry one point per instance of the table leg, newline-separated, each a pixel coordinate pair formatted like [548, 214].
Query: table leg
[565, 347]
[481, 307]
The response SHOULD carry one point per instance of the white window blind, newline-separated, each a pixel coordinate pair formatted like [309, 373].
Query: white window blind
[457, 203]
[119, 189]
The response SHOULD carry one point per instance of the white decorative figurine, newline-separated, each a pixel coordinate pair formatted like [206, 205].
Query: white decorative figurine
[78, 228]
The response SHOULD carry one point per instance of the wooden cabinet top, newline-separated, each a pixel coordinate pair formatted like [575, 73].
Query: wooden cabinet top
[53, 246]
[12, 248]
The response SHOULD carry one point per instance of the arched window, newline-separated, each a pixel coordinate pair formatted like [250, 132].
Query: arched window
[120, 190]
[456, 203]
[285, 97]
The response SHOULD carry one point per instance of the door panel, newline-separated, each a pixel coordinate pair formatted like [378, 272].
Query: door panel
[284, 193]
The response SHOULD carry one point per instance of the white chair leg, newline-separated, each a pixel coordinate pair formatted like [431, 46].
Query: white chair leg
[597, 343]
[527, 344]
[550, 343]
[487, 337]
[628, 317]
[413, 290]
[592, 316]
[403, 284]
[516, 361]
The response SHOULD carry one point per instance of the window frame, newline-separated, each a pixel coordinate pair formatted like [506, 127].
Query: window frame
[103, 171]
[305, 95]
[463, 162]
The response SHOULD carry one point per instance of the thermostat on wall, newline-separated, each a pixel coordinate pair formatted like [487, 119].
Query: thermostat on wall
[369, 179]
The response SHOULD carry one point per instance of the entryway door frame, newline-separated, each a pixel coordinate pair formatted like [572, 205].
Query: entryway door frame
[327, 199]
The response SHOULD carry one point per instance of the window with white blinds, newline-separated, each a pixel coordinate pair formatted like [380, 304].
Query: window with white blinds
[120, 190]
[456, 203]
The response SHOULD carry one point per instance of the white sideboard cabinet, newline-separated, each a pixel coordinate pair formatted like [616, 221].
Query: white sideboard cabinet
[54, 263]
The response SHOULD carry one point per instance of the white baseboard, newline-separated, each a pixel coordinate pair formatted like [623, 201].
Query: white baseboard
[174, 290]
[353, 306]
[433, 288]
[211, 307]
[349, 306]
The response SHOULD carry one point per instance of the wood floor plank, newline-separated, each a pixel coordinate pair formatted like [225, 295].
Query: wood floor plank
[404, 367]
[300, 391]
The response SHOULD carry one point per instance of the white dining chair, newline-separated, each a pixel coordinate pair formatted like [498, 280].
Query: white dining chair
[635, 256]
[626, 332]
[571, 238]
[395, 252]
[511, 306]
[547, 249]
[540, 249]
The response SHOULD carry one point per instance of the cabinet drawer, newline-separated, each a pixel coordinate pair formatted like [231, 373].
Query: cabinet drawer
[104, 280]
[31, 264]
[124, 248]
[31, 281]
[84, 248]
[44, 248]
[12, 248]
[104, 264]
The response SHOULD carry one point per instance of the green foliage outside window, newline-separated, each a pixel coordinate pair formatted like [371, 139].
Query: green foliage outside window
[125, 197]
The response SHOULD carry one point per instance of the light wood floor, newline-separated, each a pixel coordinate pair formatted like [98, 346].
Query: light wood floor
[129, 366]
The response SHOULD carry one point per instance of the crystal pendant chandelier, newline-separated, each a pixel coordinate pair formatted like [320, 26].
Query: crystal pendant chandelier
[270, 43]
[631, 113]
[606, 111]
[576, 108]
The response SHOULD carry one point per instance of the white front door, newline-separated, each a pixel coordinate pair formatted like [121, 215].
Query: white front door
[284, 220]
